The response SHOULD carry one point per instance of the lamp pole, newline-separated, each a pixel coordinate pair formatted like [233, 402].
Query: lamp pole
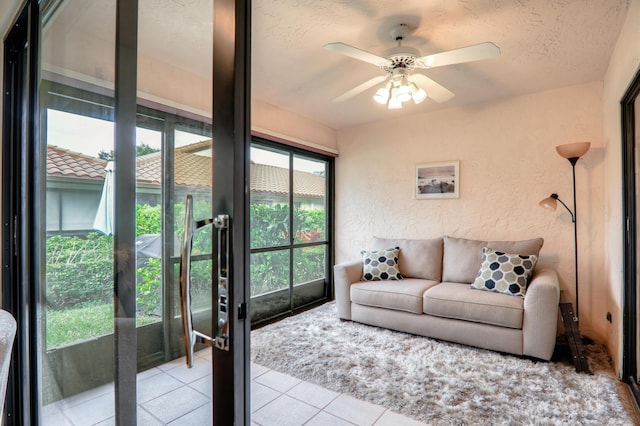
[573, 161]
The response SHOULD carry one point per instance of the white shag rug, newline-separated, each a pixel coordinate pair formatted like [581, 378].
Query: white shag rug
[437, 382]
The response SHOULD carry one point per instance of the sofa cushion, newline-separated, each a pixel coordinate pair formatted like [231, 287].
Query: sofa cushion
[380, 265]
[504, 272]
[418, 258]
[531, 247]
[459, 301]
[462, 257]
[405, 295]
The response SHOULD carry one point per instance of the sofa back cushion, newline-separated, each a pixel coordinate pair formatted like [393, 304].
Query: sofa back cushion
[526, 247]
[417, 258]
[462, 257]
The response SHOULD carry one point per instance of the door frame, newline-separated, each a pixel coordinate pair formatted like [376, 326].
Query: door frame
[19, 204]
[21, 168]
[231, 106]
[630, 307]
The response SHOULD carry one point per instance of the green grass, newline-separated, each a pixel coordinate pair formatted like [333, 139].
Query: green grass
[75, 325]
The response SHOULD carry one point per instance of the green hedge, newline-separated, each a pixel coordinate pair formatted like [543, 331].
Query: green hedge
[79, 271]
[270, 225]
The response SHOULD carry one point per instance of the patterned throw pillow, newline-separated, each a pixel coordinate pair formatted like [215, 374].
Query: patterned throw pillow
[380, 265]
[504, 273]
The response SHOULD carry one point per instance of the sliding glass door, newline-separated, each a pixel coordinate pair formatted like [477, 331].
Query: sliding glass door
[125, 128]
[290, 230]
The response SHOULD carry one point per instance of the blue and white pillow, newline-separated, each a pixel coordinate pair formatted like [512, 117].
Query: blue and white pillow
[504, 273]
[380, 265]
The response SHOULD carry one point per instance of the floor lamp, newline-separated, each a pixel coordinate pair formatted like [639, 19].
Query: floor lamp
[572, 152]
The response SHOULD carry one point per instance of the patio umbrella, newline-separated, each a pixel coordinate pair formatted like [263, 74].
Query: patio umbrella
[104, 220]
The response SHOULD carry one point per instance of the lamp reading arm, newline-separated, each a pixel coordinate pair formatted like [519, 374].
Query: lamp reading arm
[573, 216]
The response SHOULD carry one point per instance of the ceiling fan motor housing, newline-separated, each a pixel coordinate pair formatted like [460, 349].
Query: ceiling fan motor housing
[400, 56]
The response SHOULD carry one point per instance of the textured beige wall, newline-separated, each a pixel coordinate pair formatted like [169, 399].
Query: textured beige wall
[624, 63]
[265, 116]
[508, 163]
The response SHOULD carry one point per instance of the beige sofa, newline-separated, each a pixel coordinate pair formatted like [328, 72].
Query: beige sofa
[434, 298]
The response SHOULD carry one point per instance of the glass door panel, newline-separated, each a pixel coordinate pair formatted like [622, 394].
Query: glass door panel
[76, 329]
[192, 164]
[101, 186]
[175, 79]
[173, 158]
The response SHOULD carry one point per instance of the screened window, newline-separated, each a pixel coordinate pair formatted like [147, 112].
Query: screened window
[290, 207]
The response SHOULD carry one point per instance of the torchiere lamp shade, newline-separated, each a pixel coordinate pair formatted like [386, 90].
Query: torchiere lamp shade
[573, 150]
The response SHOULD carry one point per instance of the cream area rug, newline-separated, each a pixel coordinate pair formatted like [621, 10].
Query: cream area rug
[437, 382]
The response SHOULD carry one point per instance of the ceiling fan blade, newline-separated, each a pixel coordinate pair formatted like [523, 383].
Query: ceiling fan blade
[361, 88]
[476, 52]
[359, 54]
[434, 90]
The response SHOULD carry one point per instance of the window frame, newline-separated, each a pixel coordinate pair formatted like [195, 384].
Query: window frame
[291, 246]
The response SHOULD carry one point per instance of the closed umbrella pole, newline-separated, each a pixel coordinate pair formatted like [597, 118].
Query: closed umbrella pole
[104, 220]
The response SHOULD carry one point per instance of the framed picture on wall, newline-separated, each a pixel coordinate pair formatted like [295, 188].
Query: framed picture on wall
[438, 180]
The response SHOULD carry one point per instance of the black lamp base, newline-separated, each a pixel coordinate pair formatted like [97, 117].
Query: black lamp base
[573, 338]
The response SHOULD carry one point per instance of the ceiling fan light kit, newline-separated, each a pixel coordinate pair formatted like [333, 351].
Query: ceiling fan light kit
[398, 90]
[402, 83]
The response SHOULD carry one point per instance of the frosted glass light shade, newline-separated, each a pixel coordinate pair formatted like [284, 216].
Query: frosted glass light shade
[418, 94]
[549, 203]
[573, 150]
[394, 103]
[404, 94]
[382, 95]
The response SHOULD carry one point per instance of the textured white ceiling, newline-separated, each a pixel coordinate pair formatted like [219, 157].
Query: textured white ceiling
[545, 44]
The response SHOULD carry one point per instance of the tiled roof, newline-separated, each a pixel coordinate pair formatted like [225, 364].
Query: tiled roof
[62, 162]
[197, 147]
[190, 170]
[275, 180]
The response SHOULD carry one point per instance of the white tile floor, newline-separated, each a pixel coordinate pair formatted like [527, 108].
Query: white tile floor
[173, 394]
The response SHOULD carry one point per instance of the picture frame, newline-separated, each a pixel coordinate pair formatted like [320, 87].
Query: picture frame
[437, 180]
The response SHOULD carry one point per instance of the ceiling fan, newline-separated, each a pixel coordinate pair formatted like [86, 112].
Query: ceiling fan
[401, 82]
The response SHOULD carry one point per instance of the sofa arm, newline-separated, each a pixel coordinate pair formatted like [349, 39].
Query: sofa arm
[540, 322]
[345, 274]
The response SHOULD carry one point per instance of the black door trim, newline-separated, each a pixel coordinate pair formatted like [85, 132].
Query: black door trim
[124, 272]
[630, 310]
[19, 203]
[231, 138]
